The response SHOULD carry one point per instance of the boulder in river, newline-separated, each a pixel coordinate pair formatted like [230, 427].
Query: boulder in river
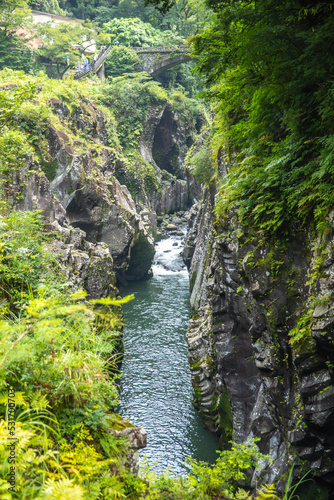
[171, 227]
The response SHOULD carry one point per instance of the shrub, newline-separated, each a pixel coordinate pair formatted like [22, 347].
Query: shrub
[121, 60]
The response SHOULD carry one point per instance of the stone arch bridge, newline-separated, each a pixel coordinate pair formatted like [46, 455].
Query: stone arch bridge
[154, 60]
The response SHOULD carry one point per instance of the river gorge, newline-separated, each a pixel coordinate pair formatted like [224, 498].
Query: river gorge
[156, 386]
[243, 343]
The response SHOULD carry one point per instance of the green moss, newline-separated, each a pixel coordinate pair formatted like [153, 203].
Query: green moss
[49, 168]
[195, 363]
[118, 423]
[138, 175]
[192, 280]
[197, 395]
[70, 189]
[225, 417]
[214, 402]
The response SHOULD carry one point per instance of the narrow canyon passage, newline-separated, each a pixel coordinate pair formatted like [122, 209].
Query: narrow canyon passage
[156, 386]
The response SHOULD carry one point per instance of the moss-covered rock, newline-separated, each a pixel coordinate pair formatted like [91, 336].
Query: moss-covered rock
[263, 312]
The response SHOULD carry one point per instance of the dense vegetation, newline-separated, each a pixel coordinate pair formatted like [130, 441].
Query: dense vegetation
[58, 349]
[185, 16]
[267, 67]
[14, 52]
[54, 343]
[50, 47]
[54, 346]
[136, 33]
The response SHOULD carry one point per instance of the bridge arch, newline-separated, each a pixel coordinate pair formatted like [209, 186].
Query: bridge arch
[154, 60]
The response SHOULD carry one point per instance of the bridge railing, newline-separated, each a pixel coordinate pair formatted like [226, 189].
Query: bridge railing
[101, 57]
[180, 48]
[94, 66]
[79, 73]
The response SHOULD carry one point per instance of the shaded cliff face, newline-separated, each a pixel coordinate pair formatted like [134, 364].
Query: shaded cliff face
[251, 377]
[88, 170]
[76, 186]
[165, 142]
[157, 178]
[75, 178]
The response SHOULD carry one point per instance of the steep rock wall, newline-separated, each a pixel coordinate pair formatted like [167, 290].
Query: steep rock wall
[249, 380]
[77, 187]
[166, 137]
[165, 140]
[88, 266]
[174, 195]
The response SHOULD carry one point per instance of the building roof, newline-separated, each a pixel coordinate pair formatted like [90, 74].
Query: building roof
[57, 16]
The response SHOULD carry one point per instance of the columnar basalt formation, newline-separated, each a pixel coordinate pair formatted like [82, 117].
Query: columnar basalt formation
[249, 379]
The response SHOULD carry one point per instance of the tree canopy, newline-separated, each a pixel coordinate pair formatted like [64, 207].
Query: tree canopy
[134, 32]
[51, 6]
[15, 50]
[68, 39]
[268, 66]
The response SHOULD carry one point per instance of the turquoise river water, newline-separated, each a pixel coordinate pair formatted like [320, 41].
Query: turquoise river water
[156, 385]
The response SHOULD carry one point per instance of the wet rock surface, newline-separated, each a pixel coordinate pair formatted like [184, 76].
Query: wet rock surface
[249, 381]
[174, 224]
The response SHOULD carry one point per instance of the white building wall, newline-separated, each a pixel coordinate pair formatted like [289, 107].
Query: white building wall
[44, 17]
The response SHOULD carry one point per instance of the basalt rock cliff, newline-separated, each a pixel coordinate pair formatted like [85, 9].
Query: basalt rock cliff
[77, 187]
[74, 183]
[252, 378]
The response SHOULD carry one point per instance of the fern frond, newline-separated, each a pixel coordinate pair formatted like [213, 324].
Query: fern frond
[64, 489]
[19, 398]
[39, 401]
[268, 493]
[242, 495]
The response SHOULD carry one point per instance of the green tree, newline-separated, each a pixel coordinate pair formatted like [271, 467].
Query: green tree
[16, 22]
[134, 32]
[130, 98]
[268, 66]
[186, 17]
[121, 60]
[162, 5]
[106, 10]
[72, 39]
[81, 9]
[51, 6]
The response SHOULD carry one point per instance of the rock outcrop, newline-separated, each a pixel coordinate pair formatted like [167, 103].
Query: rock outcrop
[165, 140]
[136, 437]
[77, 186]
[87, 265]
[166, 137]
[252, 377]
